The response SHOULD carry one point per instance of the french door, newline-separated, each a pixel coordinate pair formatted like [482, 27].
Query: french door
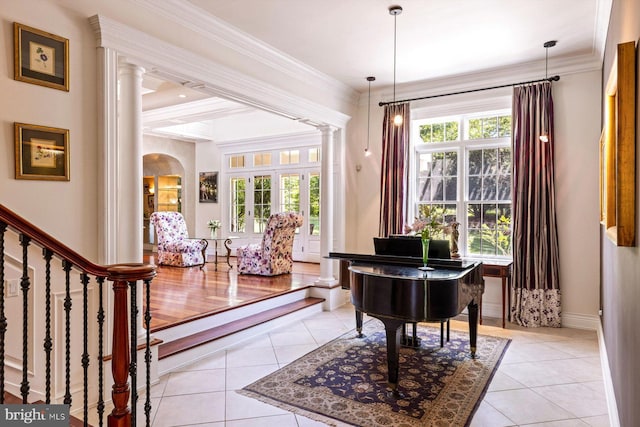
[255, 196]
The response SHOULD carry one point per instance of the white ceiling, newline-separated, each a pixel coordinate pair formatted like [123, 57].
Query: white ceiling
[349, 40]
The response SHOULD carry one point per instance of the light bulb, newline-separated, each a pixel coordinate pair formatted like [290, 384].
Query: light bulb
[544, 137]
[367, 153]
[397, 120]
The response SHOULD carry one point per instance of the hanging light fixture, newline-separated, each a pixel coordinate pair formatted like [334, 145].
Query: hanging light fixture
[544, 136]
[366, 150]
[395, 10]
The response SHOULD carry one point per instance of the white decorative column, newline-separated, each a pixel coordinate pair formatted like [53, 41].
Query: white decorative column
[129, 154]
[129, 239]
[327, 278]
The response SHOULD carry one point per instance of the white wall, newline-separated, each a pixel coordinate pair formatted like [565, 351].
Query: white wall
[209, 159]
[577, 132]
[67, 210]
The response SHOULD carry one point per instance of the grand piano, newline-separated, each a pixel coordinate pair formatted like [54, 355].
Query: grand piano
[393, 290]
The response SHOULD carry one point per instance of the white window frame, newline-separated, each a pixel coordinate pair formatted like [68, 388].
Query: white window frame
[497, 106]
[306, 246]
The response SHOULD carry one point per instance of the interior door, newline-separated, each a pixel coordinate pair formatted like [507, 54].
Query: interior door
[250, 206]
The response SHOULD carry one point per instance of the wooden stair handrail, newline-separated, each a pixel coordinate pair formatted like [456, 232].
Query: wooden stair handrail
[47, 241]
[122, 275]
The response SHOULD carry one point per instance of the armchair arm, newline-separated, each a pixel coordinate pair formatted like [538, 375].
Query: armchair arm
[187, 245]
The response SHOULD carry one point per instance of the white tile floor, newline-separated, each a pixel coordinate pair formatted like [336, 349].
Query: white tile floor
[548, 377]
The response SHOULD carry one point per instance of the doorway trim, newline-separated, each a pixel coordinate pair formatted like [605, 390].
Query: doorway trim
[173, 63]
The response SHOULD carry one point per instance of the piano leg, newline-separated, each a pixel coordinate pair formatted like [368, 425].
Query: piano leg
[392, 329]
[359, 323]
[473, 326]
[410, 340]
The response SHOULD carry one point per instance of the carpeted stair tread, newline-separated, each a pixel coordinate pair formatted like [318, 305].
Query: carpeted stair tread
[203, 337]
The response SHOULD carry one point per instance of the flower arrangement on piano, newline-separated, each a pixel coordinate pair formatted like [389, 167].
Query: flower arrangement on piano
[428, 225]
[426, 228]
[213, 225]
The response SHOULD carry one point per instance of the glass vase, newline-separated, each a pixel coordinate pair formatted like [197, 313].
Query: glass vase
[425, 252]
[214, 232]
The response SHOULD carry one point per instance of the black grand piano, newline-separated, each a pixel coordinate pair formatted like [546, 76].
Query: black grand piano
[393, 290]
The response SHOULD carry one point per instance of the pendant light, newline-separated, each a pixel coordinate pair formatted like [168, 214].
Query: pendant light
[544, 136]
[395, 10]
[366, 150]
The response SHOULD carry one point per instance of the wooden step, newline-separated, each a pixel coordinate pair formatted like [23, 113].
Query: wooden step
[10, 399]
[182, 344]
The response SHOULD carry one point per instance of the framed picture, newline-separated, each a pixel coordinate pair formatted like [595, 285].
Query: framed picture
[617, 150]
[41, 152]
[40, 58]
[208, 187]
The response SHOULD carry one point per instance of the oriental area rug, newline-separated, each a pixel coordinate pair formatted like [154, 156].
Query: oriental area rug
[344, 382]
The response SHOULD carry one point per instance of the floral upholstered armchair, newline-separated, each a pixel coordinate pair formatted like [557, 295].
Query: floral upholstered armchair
[174, 245]
[273, 255]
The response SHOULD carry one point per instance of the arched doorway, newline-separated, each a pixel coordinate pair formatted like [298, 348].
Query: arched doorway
[163, 177]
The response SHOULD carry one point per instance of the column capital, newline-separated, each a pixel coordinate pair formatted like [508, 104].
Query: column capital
[125, 64]
[326, 129]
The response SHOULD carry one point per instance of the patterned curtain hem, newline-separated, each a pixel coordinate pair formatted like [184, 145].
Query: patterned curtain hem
[537, 307]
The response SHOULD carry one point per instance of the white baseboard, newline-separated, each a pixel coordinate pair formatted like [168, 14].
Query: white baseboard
[612, 407]
[580, 321]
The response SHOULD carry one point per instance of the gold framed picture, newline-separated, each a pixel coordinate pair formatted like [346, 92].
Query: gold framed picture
[617, 150]
[41, 152]
[40, 58]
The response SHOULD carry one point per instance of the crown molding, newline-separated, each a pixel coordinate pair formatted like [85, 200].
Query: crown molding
[204, 109]
[603, 16]
[212, 28]
[493, 77]
[182, 66]
[175, 136]
[301, 139]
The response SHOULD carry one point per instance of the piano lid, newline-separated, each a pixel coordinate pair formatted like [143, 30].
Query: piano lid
[410, 273]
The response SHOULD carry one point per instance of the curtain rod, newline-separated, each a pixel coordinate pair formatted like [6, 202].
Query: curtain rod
[549, 79]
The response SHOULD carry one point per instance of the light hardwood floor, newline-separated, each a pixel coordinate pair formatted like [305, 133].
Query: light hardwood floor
[182, 294]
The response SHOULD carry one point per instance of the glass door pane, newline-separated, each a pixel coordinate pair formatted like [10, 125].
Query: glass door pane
[261, 202]
[238, 205]
[290, 192]
[314, 204]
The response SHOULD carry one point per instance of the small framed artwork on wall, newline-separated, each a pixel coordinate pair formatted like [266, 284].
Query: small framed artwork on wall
[40, 58]
[41, 152]
[208, 187]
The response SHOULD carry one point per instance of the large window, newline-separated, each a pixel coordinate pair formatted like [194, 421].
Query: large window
[463, 174]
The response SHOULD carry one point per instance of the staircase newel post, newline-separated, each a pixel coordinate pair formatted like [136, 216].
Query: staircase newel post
[121, 367]
[121, 414]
